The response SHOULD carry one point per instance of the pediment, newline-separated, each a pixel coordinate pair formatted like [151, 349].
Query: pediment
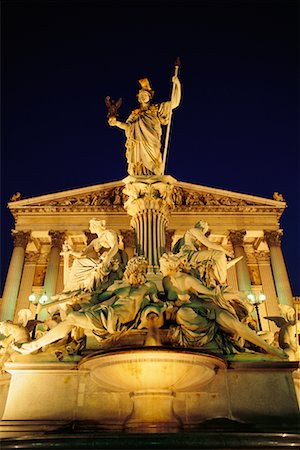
[189, 196]
[110, 197]
[107, 196]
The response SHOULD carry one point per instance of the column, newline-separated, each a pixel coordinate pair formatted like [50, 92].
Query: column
[128, 237]
[26, 282]
[271, 303]
[237, 240]
[232, 278]
[281, 278]
[169, 239]
[149, 204]
[12, 284]
[57, 239]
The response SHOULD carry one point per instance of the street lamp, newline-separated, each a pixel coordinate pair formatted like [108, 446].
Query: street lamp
[38, 302]
[256, 301]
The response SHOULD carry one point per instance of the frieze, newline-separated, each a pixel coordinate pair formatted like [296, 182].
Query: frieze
[180, 200]
[182, 197]
[108, 197]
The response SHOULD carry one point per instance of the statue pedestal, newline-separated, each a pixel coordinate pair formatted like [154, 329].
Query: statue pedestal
[146, 389]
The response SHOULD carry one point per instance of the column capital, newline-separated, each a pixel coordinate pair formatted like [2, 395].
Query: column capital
[237, 237]
[57, 238]
[21, 238]
[273, 238]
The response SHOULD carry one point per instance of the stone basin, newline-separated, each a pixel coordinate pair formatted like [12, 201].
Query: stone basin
[152, 376]
[152, 368]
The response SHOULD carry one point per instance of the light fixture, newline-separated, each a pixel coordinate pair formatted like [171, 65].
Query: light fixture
[256, 301]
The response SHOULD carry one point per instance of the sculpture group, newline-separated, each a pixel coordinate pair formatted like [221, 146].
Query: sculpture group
[196, 307]
[110, 297]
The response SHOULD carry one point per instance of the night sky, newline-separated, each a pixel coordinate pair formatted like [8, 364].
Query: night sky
[236, 127]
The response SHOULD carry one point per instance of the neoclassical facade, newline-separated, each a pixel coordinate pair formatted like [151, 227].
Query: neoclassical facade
[248, 226]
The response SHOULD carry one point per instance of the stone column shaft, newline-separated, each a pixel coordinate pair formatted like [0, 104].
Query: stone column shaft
[12, 284]
[244, 280]
[26, 283]
[281, 278]
[57, 239]
[268, 288]
[232, 278]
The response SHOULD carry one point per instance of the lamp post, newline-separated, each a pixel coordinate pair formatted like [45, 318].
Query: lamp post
[256, 301]
[38, 302]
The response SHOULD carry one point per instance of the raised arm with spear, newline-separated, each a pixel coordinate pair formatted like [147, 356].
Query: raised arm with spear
[174, 104]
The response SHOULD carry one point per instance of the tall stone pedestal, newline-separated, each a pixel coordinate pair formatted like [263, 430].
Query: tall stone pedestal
[149, 204]
[197, 389]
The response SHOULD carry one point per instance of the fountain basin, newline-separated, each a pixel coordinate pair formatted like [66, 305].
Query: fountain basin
[153, 368]
[152, 376]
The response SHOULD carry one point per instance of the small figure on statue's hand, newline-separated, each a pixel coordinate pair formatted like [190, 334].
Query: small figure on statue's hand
[112, 106]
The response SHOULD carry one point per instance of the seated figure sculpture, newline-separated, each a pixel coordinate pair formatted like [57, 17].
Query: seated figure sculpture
[199, 312]
[91, 266]
[205, 258]
[130, 296]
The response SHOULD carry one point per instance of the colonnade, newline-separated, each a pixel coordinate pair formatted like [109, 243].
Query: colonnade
[150, 240]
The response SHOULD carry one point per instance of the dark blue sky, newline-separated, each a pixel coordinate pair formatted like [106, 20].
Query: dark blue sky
[236, 128]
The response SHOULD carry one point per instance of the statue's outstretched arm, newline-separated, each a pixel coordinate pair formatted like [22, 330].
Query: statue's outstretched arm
[113, 122]
[205, 241]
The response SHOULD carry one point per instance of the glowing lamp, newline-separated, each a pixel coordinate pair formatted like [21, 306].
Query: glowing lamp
[43, 299]
[32, 297]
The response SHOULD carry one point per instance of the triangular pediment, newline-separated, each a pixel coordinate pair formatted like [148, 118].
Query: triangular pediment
[110, 197]
[195, 195]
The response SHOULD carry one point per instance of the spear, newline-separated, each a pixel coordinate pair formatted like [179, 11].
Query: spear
[177, 65]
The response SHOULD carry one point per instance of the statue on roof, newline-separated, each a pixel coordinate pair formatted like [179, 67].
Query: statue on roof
[143, 129]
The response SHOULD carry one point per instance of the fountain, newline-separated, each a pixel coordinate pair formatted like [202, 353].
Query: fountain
[156, 345]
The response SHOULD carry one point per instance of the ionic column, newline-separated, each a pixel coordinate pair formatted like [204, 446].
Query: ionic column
[242, 272]
[57, 239]
[282, 283]
[267, 281]
[12, 285]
